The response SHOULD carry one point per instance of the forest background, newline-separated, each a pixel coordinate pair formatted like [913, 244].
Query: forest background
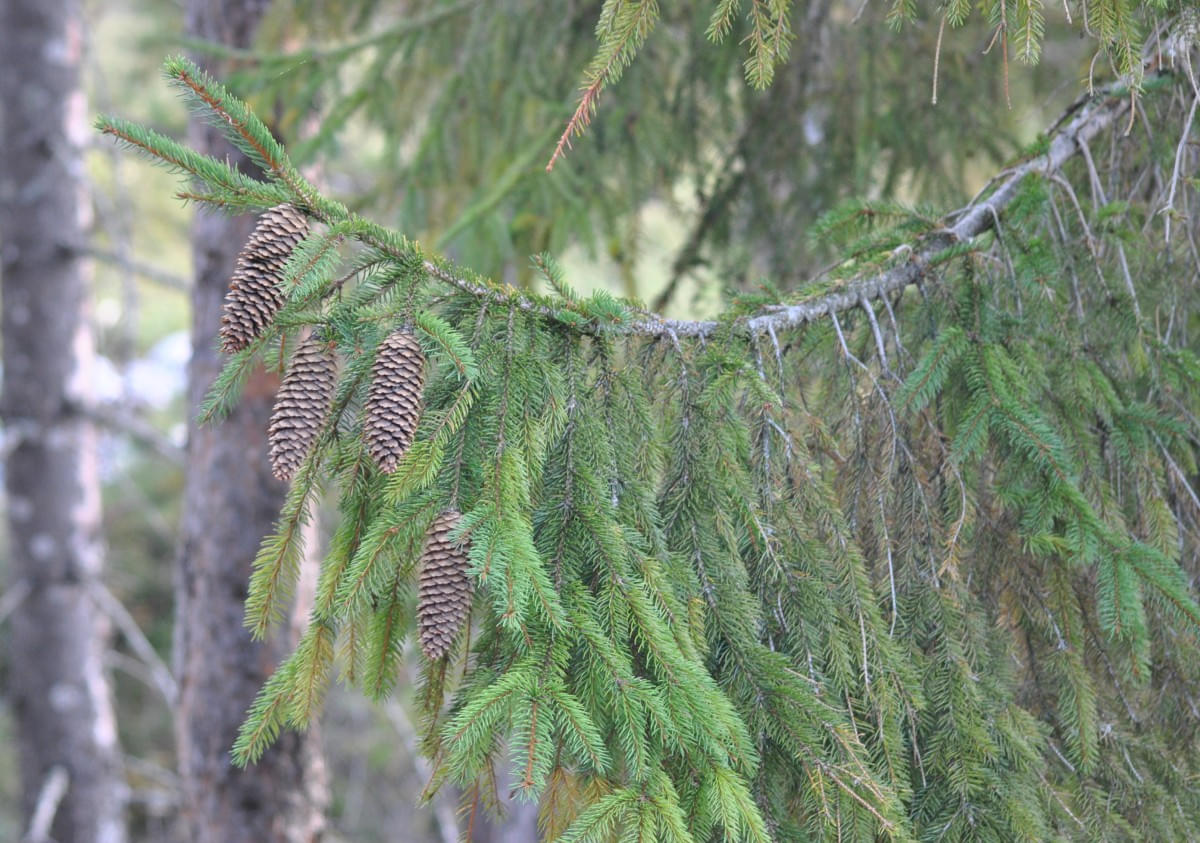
[689, 188]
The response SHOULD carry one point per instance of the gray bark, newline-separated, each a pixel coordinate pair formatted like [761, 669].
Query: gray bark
[230, 502]
[73, 789]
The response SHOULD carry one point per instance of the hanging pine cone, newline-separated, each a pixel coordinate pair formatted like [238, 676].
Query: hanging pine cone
[301, 406]
[394, 400]
[256, 288]
[444, 596]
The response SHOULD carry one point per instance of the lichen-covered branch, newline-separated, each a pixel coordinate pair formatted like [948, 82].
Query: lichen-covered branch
[1091, 116]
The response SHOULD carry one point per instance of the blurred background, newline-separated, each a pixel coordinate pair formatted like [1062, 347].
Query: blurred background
[438, 117]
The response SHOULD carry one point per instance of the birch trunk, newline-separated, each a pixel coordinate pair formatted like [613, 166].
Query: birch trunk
[73, 790]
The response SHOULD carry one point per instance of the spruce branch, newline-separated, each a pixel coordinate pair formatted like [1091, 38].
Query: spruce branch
[244, 128]
[601, 314]
[249, 133]
[277, 564]
[973, 220]
[265, 717]
[646, 611]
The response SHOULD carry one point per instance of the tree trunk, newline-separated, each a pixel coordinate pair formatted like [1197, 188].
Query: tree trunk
[65, 726]
[230, 502]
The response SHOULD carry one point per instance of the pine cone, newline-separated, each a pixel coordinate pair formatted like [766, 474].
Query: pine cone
[444, 598]
[301, 406]
[394, 400]
[256, 288]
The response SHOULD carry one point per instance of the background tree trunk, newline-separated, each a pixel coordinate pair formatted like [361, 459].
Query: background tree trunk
[230, 502]
[61, 697]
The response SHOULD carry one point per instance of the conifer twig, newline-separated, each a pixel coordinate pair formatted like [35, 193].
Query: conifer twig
[578, 122]
[627, 28]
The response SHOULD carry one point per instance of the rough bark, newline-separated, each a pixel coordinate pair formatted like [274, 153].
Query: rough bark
[60, 695]
[231, 502]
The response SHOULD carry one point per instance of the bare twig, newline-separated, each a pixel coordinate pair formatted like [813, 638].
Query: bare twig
[937, 55]
[135, 427]
[1062, 233]
[887, 545]
[108, 603]
[1179, 473]
[883, 361]
[714, 205]
[1169, 208]
[157, 275]
[54, 788]
[1100, 198]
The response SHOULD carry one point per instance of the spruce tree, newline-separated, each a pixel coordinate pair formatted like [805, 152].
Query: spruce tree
[905, 552]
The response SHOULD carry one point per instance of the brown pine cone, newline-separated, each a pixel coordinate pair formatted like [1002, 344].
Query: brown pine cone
[444, 595]
[256, 288]
[301, 406]
[394, 400]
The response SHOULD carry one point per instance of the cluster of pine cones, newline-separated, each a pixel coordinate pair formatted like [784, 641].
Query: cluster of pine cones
[302, 406]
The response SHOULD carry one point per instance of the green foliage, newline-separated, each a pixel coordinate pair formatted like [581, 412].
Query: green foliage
[920, 569]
